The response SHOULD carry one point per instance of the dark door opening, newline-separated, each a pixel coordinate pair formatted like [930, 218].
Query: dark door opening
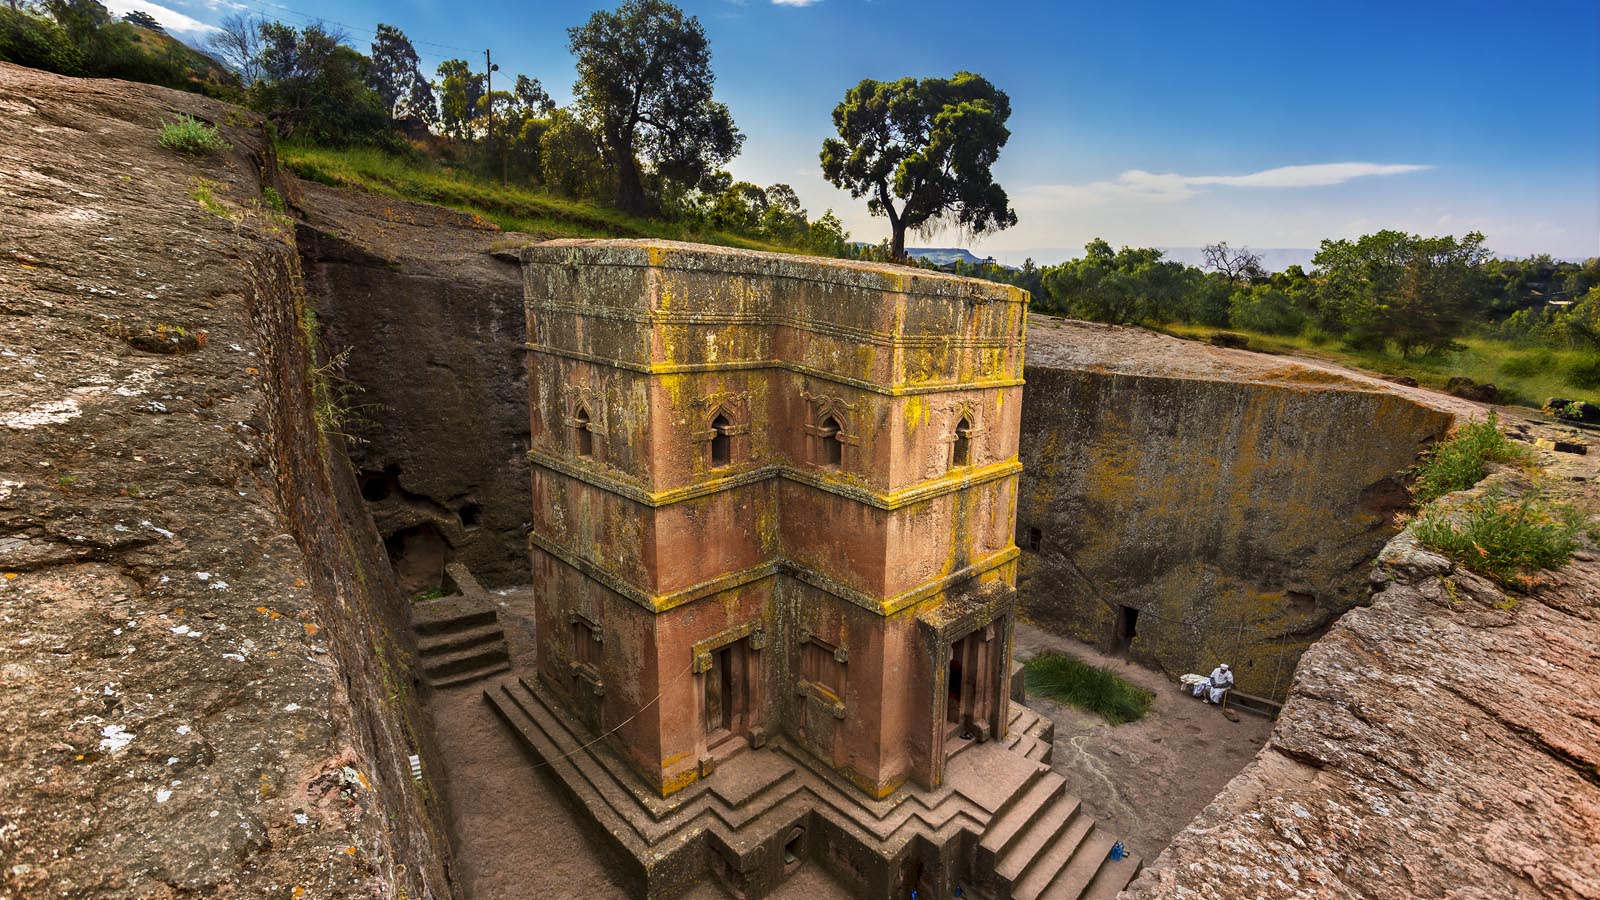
[727, 693]
[1127, 628]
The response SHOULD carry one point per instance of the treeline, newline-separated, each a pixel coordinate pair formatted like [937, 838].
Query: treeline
[644, 132]
[1385, 291]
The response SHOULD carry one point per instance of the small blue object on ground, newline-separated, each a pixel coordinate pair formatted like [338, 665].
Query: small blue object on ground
[1118, 851]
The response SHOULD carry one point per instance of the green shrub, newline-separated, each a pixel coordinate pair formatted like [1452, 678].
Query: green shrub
[1503, 538]
[1585, 373]
[1528, 365]
[271, 197]
[186, 134]
[1462, 461]
[1086, 687]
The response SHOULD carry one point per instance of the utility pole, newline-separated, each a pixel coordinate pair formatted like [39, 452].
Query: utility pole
[488, 95]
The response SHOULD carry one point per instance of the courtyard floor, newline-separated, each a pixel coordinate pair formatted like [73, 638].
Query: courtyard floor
[1147, 779]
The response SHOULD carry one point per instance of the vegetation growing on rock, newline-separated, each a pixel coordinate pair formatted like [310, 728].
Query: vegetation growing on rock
[186, 134]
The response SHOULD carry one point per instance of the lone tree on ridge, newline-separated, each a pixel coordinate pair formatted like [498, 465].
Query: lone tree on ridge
[921, 153]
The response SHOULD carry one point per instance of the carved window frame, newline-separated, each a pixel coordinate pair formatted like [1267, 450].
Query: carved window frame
[822, 694]
[958, 413]
[734, 408]
[584, 416]
[587, 670]
[820, 410]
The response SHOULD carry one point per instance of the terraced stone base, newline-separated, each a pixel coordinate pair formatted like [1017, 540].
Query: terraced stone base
[1002, 826]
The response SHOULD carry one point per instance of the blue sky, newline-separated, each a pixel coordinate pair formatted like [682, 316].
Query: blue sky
[1150, 124]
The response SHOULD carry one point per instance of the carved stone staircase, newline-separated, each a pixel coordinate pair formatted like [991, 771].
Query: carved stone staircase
[459, 638]
[1032, 839]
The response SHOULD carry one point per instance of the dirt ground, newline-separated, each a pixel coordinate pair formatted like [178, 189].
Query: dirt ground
[1147, 779]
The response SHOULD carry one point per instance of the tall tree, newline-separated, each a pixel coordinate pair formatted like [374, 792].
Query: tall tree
[313, 86]
[396, 75]
[645, 84]
[921, 153]
[460, 91]
[238, 42]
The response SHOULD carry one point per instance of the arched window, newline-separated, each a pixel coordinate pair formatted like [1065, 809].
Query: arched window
[963, 448]
[721, 441]
[832, 447]
[585, 436]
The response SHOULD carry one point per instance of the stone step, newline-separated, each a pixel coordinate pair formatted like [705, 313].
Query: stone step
[523, 711]
[1113, 877]
[449, 614]
[1049, 822]
[1074, 878]
[487, 671]
[1056, 856]
[457, 639]
[1010, 821]
[1040, 751]
[439, 665]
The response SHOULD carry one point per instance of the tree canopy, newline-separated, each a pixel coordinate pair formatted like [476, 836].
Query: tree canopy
[921, 152]
[645, 85]
[396, 75]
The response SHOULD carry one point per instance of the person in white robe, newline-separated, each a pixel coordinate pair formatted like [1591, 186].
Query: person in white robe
[1216, 685]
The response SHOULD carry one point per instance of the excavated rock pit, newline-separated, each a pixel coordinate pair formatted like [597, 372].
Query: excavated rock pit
[1188, 505]
[203, 615]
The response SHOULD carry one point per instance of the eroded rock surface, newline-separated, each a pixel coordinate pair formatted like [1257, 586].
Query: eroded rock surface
[1444, 742]
[202, 693]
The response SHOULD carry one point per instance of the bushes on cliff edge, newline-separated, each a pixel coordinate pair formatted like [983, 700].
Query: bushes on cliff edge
[1463, 460]
[1504, 538]
[1086, 687]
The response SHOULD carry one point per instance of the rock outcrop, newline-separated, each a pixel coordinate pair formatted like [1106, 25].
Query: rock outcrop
[1443, 742]
[1195, 505]
[203, 661]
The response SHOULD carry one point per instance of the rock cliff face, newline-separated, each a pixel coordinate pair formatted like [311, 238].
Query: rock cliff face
[1444, 742]
[1195, 505]
[430, 328]
[205, 677]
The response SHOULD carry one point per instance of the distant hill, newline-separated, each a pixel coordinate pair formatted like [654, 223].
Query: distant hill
[202, 68]
[946, 256]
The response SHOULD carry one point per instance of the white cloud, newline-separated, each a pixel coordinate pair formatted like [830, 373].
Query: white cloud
[795, 2]
[1165, 187]
[175, 23]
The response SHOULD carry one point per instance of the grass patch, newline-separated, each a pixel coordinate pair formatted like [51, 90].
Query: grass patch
[1086, 687]
[186, 134]
[1524, 377]
[1463, 460]
[207, 198]
[512, 208]
[1504, 538]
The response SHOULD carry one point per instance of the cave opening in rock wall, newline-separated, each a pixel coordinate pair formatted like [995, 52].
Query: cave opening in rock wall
[418, 555]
